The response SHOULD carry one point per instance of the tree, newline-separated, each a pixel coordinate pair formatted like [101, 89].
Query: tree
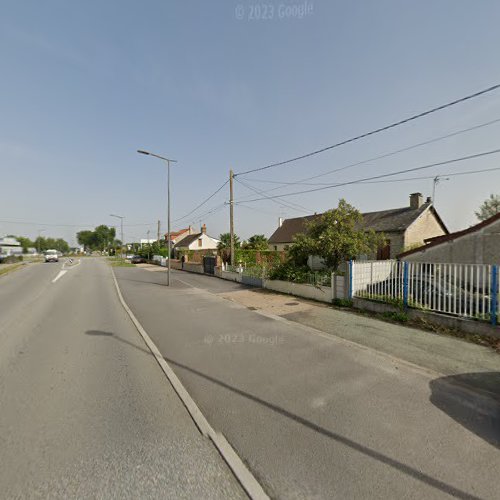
[102, 238]
[25, 243]
[224, 245]
[489, 208]
[257, 242]
[335, 236]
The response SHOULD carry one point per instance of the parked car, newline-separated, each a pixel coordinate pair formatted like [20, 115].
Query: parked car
[130, 256]
[51, 256]
[137, 259]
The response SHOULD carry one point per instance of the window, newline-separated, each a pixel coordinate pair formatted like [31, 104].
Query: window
[200, 242]
[275, 247]
[384, 252]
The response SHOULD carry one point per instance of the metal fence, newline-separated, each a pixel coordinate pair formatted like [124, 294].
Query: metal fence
[468, 290]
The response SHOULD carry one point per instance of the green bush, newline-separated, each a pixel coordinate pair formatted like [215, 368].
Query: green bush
[11, 259]
[342, 302]
[400, 317]
[288, 272]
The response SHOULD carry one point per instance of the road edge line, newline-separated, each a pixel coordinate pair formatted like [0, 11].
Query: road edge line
[243, 475]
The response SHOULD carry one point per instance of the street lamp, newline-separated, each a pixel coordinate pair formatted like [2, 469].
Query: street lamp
[167, 161]
[121, 230]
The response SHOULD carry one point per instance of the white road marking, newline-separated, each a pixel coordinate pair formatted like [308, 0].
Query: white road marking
[60, 275]
[240, 470]
[64, 270]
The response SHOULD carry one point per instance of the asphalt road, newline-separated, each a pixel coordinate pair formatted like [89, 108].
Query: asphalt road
[86, 411]
[312, 415]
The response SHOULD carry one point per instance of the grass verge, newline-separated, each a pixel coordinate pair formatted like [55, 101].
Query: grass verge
[119, 262]
[10, 269]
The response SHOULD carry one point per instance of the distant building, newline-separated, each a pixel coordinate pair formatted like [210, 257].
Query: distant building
[176, 236]
[403, 227]
[197, 241]
[10, 246]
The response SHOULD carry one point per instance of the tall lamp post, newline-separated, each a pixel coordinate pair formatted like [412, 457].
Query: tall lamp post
[167, 161]
[121, 230]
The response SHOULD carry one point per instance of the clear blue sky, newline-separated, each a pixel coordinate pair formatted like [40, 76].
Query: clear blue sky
[84, 84]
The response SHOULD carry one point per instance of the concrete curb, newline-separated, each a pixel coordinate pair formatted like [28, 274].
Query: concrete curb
[244, 476]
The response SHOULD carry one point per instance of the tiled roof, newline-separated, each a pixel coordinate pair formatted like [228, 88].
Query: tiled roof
[185, 242]
[395, 220]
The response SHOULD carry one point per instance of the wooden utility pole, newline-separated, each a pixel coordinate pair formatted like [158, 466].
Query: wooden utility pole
[158, 238]
[231, 214]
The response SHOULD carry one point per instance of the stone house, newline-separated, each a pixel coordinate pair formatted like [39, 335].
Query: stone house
[479, 244]
[403, 227]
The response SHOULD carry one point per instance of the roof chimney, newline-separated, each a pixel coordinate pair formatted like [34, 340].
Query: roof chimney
[280, 221]
[416, 200]
[428, 200]
[204, 229]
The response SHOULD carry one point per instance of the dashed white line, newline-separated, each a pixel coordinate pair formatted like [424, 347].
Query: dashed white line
[60, 275]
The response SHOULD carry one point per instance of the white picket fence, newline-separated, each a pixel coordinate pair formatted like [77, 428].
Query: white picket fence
[468, 290]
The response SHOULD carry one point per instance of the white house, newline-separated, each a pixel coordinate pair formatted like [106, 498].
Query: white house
[197, 241]
[10, 246]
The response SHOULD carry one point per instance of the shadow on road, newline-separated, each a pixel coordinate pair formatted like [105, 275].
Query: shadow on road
[100, 333]
[400, 466]
[405, 469]
[455, 395]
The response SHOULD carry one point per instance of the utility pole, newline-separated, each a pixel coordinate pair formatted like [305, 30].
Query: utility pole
[231, 214]
[158, 237]
[149, 246]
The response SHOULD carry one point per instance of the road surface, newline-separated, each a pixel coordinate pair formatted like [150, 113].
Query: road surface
[86, 411]
[315, 416]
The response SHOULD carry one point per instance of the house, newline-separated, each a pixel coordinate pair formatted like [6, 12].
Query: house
[176, 236]
[197, 241]
[479, 244]
[403, 227]
[10, 246]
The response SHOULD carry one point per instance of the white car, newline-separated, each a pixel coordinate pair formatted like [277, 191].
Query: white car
[51, 256]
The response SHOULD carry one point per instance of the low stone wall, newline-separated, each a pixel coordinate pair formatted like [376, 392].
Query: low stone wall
[453, 322]
[218, 271]
[229, 275]
[252, 281]
[193, 267]
[320, 293]
[175, 264]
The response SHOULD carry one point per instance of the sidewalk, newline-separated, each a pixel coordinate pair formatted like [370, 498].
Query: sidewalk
[464, 362]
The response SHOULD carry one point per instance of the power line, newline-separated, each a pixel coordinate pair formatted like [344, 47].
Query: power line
[394, 180]
[376, 131]
[380, 176]
[454, 174]
[201, 204]
[293, 206]
[375, 158]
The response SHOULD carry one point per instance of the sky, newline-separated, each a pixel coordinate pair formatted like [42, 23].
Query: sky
[237, 85]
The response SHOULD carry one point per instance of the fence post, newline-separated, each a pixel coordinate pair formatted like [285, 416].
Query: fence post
[494, 296]
[405, 285]
[350, 279]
